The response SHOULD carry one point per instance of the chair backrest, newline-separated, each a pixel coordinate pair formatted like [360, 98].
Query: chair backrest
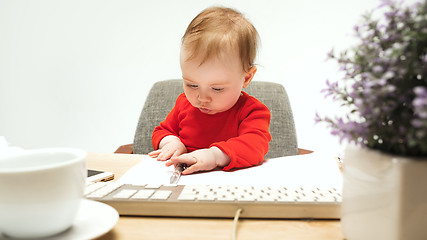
[162, 97]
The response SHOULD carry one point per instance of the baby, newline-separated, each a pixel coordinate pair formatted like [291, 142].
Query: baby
[214, 123]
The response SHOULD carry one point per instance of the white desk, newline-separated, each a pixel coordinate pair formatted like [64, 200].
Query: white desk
[129, 228]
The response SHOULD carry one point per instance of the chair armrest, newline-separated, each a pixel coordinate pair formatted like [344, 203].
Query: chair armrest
[126, 149]
[302, 151]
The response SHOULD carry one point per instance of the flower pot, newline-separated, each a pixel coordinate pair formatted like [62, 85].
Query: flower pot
[384, 196]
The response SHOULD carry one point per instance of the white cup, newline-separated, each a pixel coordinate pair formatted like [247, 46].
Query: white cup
[40, 191]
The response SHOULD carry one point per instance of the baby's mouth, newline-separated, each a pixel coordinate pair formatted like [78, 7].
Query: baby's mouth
[204, 110]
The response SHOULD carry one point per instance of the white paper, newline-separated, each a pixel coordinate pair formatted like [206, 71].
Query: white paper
[309, 170]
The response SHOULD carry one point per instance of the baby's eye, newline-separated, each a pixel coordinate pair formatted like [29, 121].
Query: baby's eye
[218, 89]
[192, 85]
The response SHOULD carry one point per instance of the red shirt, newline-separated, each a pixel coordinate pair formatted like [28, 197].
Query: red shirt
[242, 132]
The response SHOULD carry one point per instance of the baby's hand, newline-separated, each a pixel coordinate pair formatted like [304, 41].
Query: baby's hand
[201, 160]
[170, 146]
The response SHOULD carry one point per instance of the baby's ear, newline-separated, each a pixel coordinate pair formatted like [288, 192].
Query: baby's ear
[249, 75]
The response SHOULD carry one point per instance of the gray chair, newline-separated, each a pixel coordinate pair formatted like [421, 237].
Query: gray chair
[162, 96]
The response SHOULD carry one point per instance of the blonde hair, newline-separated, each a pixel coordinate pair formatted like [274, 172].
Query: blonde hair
[218, 30]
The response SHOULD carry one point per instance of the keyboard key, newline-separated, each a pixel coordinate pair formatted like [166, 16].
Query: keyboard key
[143, 194]
[161, 195]
[187, 197]
[126, 193]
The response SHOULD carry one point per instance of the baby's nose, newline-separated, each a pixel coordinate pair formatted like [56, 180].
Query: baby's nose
[203, 96]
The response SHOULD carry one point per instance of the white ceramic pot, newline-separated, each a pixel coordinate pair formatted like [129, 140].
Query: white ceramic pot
[384, 196]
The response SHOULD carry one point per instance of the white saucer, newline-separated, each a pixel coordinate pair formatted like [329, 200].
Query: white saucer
[93, 220]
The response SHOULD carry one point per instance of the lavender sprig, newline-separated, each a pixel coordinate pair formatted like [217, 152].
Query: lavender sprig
[384, 86]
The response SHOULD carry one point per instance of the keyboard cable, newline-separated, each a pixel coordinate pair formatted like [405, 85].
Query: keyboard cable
[236, 219]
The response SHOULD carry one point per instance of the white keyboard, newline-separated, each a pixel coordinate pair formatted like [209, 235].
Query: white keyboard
[217, 201]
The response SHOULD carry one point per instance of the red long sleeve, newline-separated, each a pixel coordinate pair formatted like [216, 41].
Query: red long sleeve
[241, 132]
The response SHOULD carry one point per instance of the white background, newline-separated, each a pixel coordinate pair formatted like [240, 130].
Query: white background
[76, 73]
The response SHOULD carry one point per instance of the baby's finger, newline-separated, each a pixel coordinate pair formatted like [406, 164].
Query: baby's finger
[191, 162]
[165, 155]
[154, 154]
[184, 158]
[169, 163]
[176, 154]
[192, 169]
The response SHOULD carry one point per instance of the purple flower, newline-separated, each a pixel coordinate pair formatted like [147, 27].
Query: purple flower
[377, 69]
[420, 106]
[356, 28]
[419, 102]
[382, 82]
[420, 91]
[384, 85]
[330, 54]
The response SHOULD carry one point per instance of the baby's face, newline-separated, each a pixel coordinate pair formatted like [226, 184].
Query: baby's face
[214, 86]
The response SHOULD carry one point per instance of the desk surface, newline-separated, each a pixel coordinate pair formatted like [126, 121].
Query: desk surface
[130, 228]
